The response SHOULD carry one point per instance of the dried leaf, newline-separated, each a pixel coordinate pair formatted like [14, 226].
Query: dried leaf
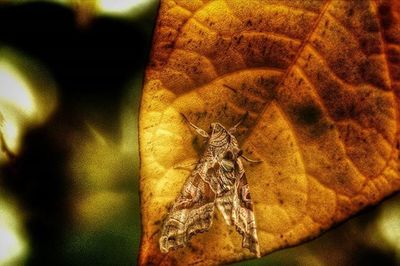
[319, 80]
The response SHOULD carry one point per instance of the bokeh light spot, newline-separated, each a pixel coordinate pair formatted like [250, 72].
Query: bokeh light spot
[27, 97]
[13, 246]
[121, 6]
[11, 133]
[389, 225]
[14, 90]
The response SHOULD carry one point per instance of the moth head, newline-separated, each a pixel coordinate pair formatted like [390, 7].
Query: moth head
[219, 135]
[217, 128]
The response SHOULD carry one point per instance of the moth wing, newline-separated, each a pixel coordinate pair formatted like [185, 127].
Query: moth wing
[243, 216]
[191, 213]
[236, 207]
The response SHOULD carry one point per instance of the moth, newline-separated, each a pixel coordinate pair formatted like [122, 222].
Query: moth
[219, 180]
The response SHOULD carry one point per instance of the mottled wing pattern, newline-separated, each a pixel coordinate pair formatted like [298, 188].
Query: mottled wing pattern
[243, 216]
[236, 207]
[191, 213]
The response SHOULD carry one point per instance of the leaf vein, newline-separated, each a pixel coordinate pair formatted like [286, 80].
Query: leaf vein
[326, 111]
[346, 29]
[300, 50]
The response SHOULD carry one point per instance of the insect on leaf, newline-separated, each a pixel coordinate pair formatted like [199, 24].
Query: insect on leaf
[320, 81]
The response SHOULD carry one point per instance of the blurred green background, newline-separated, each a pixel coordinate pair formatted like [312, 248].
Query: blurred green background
[70, 80]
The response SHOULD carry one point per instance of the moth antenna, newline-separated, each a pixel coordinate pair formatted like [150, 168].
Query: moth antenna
[250, 160]
[234, 128]
[198, 130]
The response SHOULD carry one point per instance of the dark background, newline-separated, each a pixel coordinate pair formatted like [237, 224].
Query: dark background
[75, 179]
[94, 67]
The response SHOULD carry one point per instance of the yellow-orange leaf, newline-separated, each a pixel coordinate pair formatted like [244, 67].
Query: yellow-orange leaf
[321, 83]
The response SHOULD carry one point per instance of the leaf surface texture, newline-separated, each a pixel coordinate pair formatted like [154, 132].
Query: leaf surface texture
[321, 83]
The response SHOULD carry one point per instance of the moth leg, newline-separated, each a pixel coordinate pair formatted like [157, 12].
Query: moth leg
[250, 160]
[198, 130]
[185, 165]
